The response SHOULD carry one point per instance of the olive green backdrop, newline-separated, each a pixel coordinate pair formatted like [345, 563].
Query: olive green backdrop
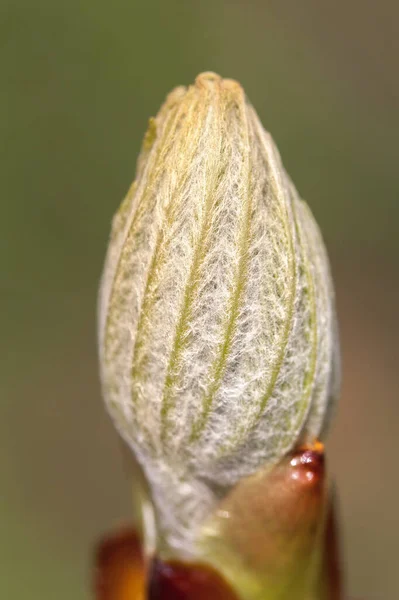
[79, 80]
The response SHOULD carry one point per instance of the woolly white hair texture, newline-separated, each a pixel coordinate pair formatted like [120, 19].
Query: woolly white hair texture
[217, 330]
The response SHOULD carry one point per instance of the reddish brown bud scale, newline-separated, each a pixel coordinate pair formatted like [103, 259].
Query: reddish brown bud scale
[274, 522]
[178, 581]
[119, 567]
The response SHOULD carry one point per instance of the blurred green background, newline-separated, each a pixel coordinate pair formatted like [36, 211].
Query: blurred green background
[79, 80]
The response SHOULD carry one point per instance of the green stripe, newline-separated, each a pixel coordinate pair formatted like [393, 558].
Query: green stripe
[130, 234]
[242, 431]
[155, 264]
[220, 364]
[179, 343]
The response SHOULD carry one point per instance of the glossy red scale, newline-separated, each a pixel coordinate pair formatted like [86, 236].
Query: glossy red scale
[293, 496]
[177, 581]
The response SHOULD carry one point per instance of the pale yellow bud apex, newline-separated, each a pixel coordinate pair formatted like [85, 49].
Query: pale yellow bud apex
[218, 346]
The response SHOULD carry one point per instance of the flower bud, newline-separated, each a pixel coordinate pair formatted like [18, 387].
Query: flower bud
[217, 333]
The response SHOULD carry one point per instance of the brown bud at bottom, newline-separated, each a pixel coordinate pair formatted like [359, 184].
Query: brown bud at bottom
[177, 581]
[119, 567]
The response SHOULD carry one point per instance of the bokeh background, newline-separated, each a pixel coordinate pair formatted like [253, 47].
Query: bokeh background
[79, 80]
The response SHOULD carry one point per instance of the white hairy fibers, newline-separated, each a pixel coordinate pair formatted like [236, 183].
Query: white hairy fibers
[218, 346]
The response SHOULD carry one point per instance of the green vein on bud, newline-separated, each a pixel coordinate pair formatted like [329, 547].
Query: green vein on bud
[238, 287]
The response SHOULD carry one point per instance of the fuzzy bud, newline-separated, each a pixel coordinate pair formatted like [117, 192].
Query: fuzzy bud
[217, 332]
